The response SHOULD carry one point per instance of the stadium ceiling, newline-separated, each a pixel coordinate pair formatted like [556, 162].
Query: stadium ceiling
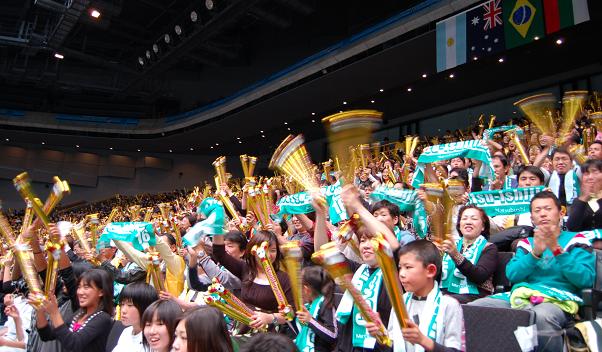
[121, 65]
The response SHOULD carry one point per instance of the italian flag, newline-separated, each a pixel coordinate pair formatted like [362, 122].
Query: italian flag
[561, 14]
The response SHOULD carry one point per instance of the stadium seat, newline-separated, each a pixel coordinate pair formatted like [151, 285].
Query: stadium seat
[592, 297]
[500, 281]
[492, 329]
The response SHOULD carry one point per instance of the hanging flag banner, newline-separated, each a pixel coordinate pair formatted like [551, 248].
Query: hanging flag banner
[504, 202]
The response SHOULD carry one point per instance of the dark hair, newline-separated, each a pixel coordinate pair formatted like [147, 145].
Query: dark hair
[168, 312]
[206, 330]
[533, 170]
[561, 151]
[459, 157]
[170, 239]
[462, 176]
[546, 195]
[484, 219]
[392, 208]
[238, 238]
[102, 281]
[425, 251]
[502, 159]
[140, 294]
[191, 219]
[597, 141]
[283, 225]
[269, 342]
[80, 267]
[591, 164]
[251, 261]
[320, 282]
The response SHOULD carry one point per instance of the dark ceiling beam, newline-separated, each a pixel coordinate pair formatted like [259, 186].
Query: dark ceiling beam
[157, 6]
[298, 6]
[95, 60]
[201, 34]
[219, 51]
[270, 18]
[202, 60]
[67, 21]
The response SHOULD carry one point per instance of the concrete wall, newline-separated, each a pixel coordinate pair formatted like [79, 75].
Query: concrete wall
[95, 176]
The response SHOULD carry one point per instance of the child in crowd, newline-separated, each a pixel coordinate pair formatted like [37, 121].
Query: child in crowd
[436, 322]
[317, 329]
[134, 300]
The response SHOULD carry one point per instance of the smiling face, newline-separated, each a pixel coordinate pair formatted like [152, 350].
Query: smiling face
[471, 224]
[88, 295]
[367, 251]
[498, 168]
[157, 335]
[561, 162]
[233, 249]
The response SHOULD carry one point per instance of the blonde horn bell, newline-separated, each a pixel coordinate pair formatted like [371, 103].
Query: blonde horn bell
[292, 159]
[572, 105]
[346, 129]
[539, 109]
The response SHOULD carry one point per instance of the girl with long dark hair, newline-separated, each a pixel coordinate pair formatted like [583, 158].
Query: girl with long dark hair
[91, 324]
[317, 328]
[256, 290]
[159, 323]
[202, 329]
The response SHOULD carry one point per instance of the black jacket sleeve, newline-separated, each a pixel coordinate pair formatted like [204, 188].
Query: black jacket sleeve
[485, 267]
[195, 283]
[97, 327]
[124, 277]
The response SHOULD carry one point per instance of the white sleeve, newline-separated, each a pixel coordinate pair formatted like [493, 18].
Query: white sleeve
[454, 325]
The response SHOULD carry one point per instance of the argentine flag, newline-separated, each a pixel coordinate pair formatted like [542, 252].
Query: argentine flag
[451, 42]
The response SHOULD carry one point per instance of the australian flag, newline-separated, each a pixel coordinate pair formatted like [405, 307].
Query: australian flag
[484, 30]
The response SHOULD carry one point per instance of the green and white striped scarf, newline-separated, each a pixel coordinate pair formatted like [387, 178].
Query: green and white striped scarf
[406, 200]
[473, 149]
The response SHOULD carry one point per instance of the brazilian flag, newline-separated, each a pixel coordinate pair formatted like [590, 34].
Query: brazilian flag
[523, 22]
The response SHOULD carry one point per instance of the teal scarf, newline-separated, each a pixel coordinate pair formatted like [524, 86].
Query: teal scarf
[306, 338]
[504, 202]
[406, 200]
[473, 149]
[429, 318]
[451, 278]
[214, 222]
[139, 234]
[369, 286]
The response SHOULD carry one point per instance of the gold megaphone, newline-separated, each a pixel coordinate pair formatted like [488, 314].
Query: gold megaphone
[539, 109]
[292, 159]
[348, 129]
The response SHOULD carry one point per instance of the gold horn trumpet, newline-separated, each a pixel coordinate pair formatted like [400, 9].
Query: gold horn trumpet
[292, 159]
[539, 109]
[347, 129]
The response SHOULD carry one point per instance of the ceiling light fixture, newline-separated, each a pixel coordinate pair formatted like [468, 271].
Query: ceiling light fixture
[286, 123]
[381, 90]
[77, 146]
[500, 60]
[166, 38]
[209, 4]
[171, 151]
[372, 101]
[194, 16]
[409, 89]
[94, 13]
[424, 75]
[156, 48]
[111, 148]
[138, 149]
[475, 58]
[59, 56]
[451, 75]
[559, 41]
[140, 60]
[191, 149]
[344, 103]
[313, 120]
[43, 143]
[262, 136]
[177, 29]
[313, 114]
[536, 38]
[8, 140]
[217, 144]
